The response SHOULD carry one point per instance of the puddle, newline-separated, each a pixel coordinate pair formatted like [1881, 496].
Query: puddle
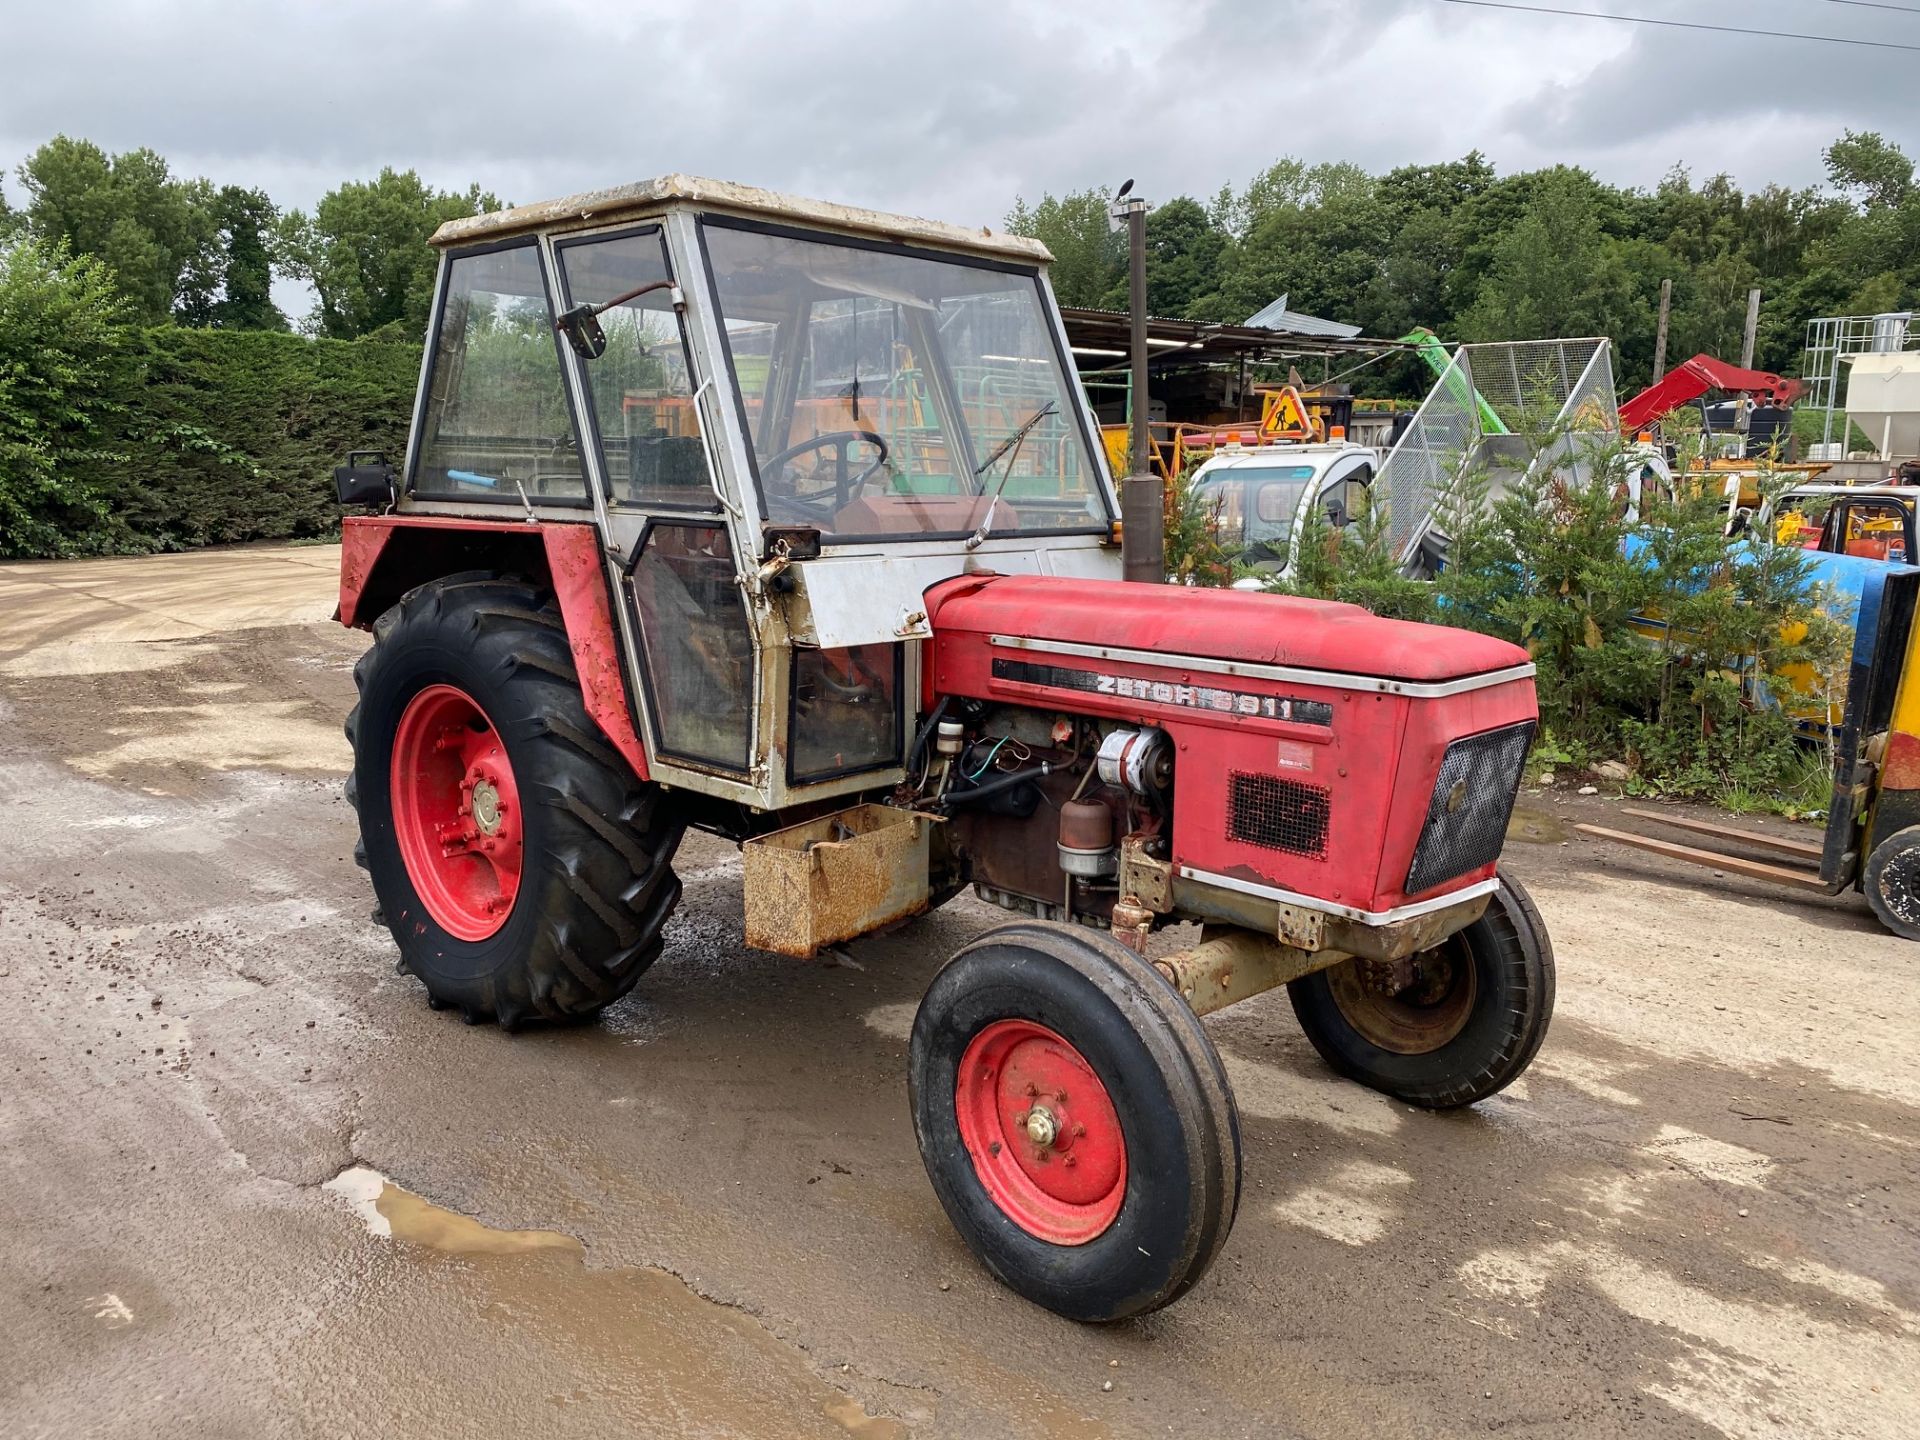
[632, 1342]
[1537, 827]
[391, 1212]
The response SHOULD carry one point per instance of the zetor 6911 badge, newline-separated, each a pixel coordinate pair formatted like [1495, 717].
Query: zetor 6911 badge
[789, 522]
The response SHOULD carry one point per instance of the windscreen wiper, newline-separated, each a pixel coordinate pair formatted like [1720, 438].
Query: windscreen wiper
[1010, 444]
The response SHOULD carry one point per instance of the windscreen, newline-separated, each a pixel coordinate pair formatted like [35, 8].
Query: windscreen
[899, 394]
[1254, 506]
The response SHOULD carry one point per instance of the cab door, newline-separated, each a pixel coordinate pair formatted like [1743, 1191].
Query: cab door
[674, 540]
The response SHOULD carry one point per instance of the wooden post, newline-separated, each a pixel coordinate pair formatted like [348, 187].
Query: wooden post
[1753, 327]
[1660, 334]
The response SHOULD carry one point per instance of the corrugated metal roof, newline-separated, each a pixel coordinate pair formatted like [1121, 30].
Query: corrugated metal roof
[1278, 317]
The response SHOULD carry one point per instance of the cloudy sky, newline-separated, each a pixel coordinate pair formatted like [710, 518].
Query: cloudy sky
[941, 109]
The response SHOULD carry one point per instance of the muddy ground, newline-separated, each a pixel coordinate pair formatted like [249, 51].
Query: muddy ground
[241, 1163]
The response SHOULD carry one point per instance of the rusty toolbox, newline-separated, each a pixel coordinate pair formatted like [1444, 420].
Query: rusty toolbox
[835, 877]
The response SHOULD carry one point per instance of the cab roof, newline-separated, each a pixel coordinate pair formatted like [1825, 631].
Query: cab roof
[667, 191]
[1316, 453]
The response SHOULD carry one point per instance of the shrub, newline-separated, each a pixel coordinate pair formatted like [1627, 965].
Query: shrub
[65, 368]
[234, 434]
[1659, 638]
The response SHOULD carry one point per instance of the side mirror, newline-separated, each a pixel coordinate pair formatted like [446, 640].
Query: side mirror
[370, 483]
[581, 326]
[1336, 513]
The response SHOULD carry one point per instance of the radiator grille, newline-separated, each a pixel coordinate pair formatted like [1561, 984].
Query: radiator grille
[1472, 802]
[1277, 814]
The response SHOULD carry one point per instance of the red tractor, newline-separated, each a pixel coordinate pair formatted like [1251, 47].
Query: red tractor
[789, 522]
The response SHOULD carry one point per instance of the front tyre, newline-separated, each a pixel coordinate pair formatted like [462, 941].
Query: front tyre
[1075, 1121]
[1892, 882]
[523, 869]
[1470, 1022]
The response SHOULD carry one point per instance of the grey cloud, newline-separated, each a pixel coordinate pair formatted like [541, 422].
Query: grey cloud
[939, 109]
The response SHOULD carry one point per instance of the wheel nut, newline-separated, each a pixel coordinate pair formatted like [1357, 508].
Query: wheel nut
[1041, 1127]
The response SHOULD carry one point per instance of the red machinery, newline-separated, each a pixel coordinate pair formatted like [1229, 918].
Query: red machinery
[887, 649]
[1695, 378]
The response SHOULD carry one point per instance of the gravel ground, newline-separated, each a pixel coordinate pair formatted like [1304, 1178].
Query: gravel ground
[241, 1163]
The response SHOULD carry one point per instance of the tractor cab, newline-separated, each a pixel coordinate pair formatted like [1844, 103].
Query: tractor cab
[788, 419]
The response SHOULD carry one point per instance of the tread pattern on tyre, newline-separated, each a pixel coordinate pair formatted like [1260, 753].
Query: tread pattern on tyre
[1524, 954]
[1166, 1028]
[601, 881]
[1886, 883]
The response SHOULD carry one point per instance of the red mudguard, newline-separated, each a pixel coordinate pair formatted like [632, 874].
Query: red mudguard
[383, 556]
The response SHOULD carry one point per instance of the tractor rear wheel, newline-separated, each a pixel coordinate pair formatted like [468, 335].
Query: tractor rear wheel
[1075, 1120]
[524, 871]
[1471, 1021]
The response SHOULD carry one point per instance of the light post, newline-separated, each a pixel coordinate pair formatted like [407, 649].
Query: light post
[1143, 549]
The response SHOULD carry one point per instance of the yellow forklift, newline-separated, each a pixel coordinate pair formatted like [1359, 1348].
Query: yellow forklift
[1873, 826]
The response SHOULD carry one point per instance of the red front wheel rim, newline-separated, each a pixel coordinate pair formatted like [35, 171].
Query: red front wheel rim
[456, 812]
[1042, 1132]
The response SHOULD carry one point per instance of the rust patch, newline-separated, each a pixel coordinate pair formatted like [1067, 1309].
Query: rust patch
[834, 878]
[1901, 768]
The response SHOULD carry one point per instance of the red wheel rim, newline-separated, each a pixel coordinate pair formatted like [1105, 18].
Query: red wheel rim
[1041, 1131]
[456, 812]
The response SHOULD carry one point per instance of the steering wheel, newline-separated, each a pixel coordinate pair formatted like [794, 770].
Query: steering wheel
[845, 487]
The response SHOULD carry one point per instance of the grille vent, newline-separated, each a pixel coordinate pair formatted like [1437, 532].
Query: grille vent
[1277, 814]
[1472, 802]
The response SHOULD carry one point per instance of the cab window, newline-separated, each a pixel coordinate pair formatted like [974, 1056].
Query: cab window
[1875, 529]
[641, 385]
[496, 423]
[891, 392]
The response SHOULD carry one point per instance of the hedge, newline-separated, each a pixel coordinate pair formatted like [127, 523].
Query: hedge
[232, 435]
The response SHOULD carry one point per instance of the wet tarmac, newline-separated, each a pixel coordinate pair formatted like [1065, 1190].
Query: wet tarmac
[251, 1186]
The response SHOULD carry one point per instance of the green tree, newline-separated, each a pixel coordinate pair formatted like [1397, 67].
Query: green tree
[1557, 272]
[1183, 258]
[230, 285]
[1870, 167]
[64, 371]
[1089, 259]
[126, 210]
[365, 251]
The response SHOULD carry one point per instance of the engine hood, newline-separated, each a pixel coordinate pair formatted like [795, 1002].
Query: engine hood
[1224, 625]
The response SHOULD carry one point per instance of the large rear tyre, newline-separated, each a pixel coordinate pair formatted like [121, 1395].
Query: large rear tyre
[1892, 882]
[524, 871]
[1471, 1021]
[1075, 1121]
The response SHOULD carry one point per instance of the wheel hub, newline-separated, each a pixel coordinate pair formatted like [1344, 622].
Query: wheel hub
[456, 812]
[1042, 1132]
[1411, 1007]
[483, 799]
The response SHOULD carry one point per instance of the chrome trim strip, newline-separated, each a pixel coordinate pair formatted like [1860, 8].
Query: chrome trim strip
[1366, 917]
[1325, 679]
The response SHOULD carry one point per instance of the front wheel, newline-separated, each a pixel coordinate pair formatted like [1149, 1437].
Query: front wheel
[1075, 1121]
[1892, 882]
[1469, 1022]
